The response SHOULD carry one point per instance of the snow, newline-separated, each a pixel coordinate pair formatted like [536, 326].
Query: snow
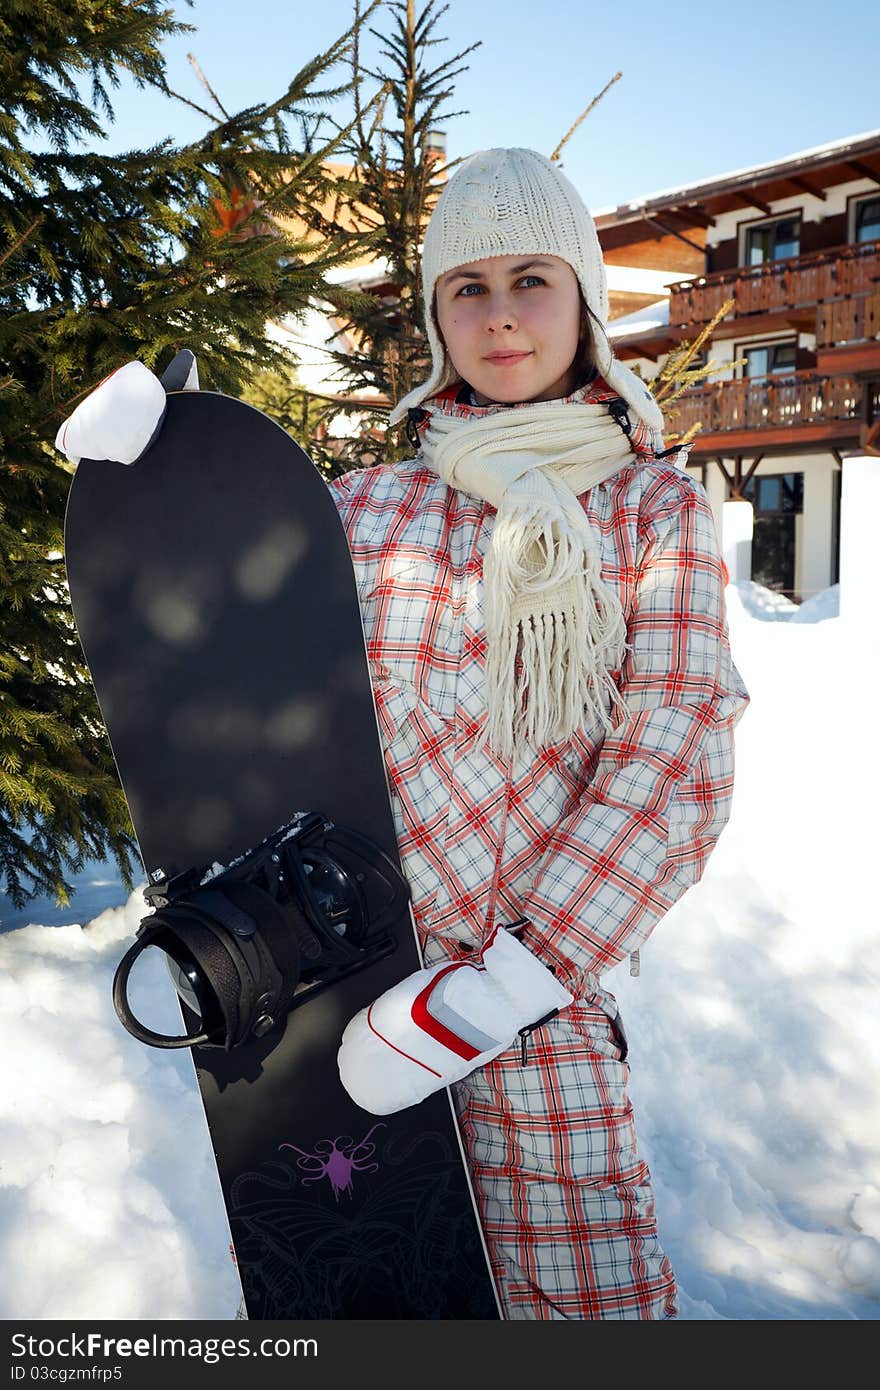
[819, 607]
[654, 315]
[754, 1050]
[636, 280]
[110, 1205]
[747, 597]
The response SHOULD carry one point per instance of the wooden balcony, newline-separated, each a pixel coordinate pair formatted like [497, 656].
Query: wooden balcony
[848, 320]
[790, 410]
[779, 286]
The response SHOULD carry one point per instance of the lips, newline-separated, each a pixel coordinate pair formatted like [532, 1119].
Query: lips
[506, 359]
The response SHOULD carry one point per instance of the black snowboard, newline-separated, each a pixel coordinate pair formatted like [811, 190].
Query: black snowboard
[215, 599]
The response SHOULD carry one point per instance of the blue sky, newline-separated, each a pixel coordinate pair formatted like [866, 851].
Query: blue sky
[704, 89]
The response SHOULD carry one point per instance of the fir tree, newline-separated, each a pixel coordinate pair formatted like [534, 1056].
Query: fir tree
[278, 393]
[104, 258]
[396, 173]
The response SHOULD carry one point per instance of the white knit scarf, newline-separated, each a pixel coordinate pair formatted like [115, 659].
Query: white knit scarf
[544, 596]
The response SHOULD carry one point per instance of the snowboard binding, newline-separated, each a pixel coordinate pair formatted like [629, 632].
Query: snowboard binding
[246, 944]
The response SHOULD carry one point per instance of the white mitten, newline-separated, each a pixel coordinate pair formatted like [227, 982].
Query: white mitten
[439, 1024]
[122, 416]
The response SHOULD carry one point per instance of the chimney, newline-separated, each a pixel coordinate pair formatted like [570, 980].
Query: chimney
[435, 145]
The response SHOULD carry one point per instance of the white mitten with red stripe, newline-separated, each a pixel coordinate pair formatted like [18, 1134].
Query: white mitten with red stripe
[439, 1024]
[122, 416]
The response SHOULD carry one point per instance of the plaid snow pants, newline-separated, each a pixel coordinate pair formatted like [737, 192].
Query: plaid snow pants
[565, 1201]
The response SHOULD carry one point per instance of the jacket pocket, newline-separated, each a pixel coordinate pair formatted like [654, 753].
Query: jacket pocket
[600, 1028]
[413, 623]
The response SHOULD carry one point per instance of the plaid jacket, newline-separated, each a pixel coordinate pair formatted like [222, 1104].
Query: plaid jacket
[594, 839]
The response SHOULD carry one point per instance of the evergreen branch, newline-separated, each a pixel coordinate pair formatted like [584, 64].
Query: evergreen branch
[25, 236]
[192, 104]
[677, 362]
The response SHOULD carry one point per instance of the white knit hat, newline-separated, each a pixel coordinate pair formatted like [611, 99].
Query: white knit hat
[516, 202]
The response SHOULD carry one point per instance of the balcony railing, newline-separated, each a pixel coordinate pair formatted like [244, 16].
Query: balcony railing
[771, 402]
[795, 283]
[848, 320]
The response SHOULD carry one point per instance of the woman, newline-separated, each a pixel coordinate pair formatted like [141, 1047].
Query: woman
[543, 603]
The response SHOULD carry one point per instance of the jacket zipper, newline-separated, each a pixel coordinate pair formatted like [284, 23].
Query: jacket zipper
[490, 916]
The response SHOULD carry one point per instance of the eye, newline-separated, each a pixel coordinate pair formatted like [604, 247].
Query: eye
[462, 293]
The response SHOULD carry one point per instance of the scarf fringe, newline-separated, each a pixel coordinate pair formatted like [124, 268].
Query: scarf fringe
[533, 709]
[546, 605]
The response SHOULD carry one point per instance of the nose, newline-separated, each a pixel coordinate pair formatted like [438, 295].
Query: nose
[500, 313]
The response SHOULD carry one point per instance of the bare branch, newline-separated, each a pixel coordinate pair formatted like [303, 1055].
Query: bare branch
[206, 84]
[555, 155]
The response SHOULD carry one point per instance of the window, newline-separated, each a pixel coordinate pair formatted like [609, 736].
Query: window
[773, 241]
[776, 494]
[769, 359]
[778, 500]
[867, 224]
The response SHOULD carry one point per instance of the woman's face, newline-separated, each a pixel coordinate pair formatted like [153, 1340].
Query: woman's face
[511, 326]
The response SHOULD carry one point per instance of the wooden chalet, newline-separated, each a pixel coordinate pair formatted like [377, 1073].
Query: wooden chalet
[796, 246]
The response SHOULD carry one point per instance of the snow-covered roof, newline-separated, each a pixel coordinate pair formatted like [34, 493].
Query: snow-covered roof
[626, 279]
[654, 315]
[690, 191]
[373, 273]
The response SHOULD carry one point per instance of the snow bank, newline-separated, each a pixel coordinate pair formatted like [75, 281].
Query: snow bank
[754, 1050]
[110, 1205]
